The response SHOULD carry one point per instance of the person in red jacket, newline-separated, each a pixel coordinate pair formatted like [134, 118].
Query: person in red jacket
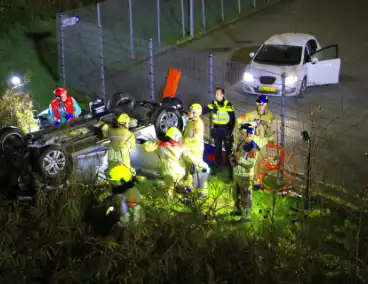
[63, 108]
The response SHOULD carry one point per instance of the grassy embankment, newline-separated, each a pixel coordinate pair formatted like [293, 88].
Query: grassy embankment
[67, 238]
[28, 42]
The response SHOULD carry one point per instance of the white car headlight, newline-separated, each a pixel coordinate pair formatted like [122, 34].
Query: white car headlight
[291, 80]
[247, 77]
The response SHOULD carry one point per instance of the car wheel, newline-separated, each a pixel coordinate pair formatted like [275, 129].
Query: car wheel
[13, 147]
[174, 103]
[303, 88]
[11, 139]
[122, 101]
[54, 164]
[166, 118]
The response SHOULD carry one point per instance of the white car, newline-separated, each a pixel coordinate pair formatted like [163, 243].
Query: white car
[298, 56]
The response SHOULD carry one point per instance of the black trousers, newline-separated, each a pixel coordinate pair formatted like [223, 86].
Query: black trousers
[222, 137]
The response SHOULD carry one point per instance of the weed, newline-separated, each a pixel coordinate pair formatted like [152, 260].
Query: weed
[67, 238]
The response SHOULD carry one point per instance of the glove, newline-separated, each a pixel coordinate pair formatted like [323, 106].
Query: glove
[255, 123]
[68, 116]
[232, 160]
[57, 123]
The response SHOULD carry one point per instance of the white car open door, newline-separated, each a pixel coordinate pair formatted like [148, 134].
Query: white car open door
[324, 68]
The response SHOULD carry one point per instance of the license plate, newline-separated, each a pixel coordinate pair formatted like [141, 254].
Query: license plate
[267, 89]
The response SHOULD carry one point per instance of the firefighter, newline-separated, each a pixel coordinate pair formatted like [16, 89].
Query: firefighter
[262, 119]
[63, 108]
[194, 139]
[242, 162]
[173, 155]
[223, 120]
[122, 141]
[123, 185]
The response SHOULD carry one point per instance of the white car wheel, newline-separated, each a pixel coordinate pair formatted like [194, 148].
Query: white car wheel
[303, 88]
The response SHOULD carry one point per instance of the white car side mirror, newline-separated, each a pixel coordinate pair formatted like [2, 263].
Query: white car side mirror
[314, 60]
[251, 55]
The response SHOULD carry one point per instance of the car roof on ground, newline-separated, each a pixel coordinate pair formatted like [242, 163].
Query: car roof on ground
[296, 39]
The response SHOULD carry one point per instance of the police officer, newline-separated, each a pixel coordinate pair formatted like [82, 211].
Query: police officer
[223, 120]
[242, 162]
[262, 119]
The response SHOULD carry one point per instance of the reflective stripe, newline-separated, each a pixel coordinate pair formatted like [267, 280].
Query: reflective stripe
[118, 137]
[221, 116]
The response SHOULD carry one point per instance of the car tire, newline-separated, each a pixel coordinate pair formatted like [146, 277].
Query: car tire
[13, 147]
[54, 164]
[122, 101]
[303, 88]
[174, 103]
[10, 137]
[164, 118]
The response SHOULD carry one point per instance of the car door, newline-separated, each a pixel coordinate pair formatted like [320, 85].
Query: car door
[324, 67]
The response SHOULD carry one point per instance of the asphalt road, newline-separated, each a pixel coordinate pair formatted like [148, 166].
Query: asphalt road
[342, 120]
[339, 117]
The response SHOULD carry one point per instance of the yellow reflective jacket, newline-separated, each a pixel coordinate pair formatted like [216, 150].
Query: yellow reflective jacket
[194, 137]
[121, 139]
[245, 161]
[221, 116]
[262, 130]
[173, 156]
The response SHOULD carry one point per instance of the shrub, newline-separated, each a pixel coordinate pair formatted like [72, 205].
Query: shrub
[16, 109]
[60, 241]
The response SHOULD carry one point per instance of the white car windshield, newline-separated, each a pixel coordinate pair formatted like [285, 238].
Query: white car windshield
[279, 54]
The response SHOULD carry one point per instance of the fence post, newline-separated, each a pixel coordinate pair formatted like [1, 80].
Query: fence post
[222, 10]
[182, 18]
[210, 76]
[210, 84]
[191, 16]
[102, 69]
[204, 13]
[131, 28]
[151, 70]
[254, 4]
[62, 75]
[280, 174]
[283, 110]
[158, 23]
[239, 6]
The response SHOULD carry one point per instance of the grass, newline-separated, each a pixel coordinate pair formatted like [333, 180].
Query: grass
[67, 238]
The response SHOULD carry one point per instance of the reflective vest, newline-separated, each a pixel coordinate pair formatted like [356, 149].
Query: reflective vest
[68, 106]
[221, 117]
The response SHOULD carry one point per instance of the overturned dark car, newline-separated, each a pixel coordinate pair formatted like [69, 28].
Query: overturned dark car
[46, 155]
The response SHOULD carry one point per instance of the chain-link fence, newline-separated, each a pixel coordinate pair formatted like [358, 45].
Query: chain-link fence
[94, 38]
[101, 59]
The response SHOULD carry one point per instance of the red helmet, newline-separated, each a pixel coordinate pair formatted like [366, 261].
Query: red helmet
[60, 91]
